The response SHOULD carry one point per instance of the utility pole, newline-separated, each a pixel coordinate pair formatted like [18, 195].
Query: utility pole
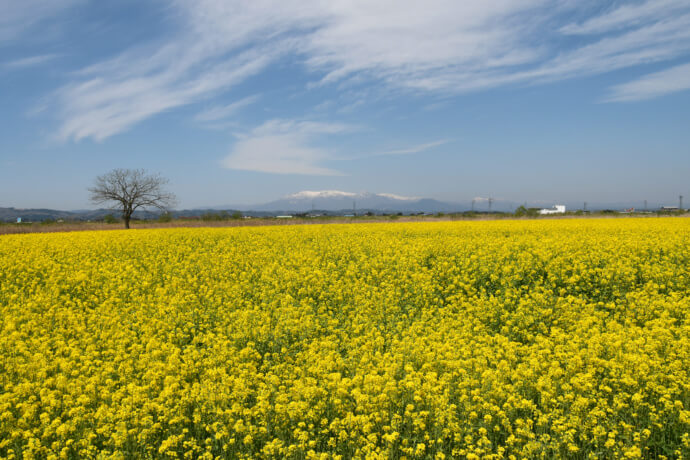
[584, 208]
[491, 200]
[354, 208]
[645, 205]
[472, 204]
[680, 202]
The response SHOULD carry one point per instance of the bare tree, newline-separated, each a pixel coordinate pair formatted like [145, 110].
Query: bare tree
[131, 189]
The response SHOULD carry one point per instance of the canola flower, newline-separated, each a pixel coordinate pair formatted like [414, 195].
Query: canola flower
[515, 339]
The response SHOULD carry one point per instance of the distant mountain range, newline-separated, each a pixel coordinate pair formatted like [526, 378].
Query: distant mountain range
[346, 202]
[338, 201]
[334, 202]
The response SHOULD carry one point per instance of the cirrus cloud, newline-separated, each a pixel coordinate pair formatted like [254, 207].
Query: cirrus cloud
[284, 147]
[653, 85]
[441, 46]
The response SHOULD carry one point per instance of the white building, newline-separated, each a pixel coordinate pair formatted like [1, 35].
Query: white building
[557, 209]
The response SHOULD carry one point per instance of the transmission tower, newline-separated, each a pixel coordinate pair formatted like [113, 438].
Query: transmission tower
[491, 200]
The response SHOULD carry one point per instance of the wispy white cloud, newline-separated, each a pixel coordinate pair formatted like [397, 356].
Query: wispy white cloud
[284, 147]
[653, 85]
[106, 105]
[29, 61]
[410, 150]
[626, 16]
[221, 112]
[441, 46]
[302, 127]
[651, 42]
[19, 16]
[414, 149]
[656, 41]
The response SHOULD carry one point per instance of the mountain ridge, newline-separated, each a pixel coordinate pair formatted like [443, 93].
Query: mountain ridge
[336, 202]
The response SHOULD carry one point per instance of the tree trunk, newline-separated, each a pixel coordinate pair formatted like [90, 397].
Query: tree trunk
[126, 219]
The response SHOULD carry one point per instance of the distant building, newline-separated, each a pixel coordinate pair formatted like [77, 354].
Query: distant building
[669, 208]
[557, 209]
[283, 217]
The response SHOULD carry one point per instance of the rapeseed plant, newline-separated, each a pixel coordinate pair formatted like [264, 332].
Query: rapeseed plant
[521, 339]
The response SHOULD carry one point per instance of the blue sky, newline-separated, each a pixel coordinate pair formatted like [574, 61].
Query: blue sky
[244, 102]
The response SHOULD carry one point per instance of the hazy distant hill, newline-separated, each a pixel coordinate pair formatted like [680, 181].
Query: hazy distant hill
[39, 215]
[11, 214]
[325, 201]
[330, 201]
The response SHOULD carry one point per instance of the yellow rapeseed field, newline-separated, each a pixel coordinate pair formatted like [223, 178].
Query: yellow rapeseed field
[513, 339]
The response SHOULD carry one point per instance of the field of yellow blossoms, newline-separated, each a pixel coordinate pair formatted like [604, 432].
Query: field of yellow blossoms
[501, 339]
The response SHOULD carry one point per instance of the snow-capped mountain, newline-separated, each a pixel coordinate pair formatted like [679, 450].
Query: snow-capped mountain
[336, 200]
[312, 195]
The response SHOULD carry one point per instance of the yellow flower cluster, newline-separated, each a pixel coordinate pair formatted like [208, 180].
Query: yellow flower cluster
[513, 339]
